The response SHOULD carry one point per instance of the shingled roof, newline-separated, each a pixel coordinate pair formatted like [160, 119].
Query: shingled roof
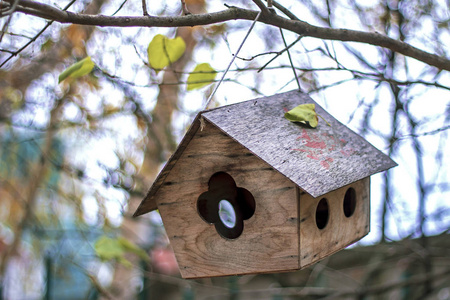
[318, 160]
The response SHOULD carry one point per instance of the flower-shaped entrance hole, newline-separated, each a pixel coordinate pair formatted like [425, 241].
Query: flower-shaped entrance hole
[226, 205]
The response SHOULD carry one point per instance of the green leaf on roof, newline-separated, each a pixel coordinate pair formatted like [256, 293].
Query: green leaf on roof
[305, 114]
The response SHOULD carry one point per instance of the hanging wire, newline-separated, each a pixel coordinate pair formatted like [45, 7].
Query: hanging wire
[208, 102]
[290, 60]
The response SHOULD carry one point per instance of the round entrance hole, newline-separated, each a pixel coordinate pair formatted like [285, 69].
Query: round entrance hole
[227, 214]
[349, 202]
[322, 213]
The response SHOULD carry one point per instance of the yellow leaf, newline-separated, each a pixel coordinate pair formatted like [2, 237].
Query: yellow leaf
[81, 68]
[304, 113]
[163, 51]
[202, 75]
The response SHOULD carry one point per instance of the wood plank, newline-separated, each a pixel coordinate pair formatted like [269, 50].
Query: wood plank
[340, 231]
[269, 242]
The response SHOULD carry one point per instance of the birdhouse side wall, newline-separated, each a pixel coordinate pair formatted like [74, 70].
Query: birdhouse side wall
[269, 241]
[339, 230]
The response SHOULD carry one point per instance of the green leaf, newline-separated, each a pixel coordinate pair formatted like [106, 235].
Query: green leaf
[304, 113]
[78, 69]
[130, 247]
[114, 249]
[107, 248]
[202, 75]
[163, 51]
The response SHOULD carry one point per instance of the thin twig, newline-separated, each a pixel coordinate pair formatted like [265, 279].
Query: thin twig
[120, 7]
[144, 8]
[257, 55]
[261, 6]
[9, 11]
[6, 50]
[35, 37]
[279, 53]
[184, 8]
[283, 9]
[5, 26]
[18, 34]
[436, 131]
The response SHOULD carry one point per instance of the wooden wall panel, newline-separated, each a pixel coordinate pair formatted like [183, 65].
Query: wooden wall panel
[340, 231]
[269, 242]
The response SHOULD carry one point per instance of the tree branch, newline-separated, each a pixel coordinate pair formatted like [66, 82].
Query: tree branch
[234, 13]
[35, 37]
[261, 6]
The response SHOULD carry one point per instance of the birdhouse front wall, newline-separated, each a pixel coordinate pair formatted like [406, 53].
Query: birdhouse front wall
[270, 239]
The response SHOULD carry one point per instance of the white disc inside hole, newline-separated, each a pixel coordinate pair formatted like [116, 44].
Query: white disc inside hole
[227, 214]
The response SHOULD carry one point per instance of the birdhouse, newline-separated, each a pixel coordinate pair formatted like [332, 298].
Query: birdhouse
[248, 191]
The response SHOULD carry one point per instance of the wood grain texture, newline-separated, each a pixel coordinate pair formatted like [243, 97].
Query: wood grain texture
[340, 231]
[269, 242]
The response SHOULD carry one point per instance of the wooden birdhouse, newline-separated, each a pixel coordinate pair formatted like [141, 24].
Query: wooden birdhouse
[248, 191]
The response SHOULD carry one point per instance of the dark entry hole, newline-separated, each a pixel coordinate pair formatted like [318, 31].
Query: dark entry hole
[226, 205]
[322, 213]
[349, 202]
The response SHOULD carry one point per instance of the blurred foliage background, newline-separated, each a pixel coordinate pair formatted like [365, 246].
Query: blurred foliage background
[76, 158]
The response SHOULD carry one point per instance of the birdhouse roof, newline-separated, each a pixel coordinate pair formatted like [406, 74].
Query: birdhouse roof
[318, 160]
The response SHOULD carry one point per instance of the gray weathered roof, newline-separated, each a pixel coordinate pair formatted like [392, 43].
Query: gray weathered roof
[318, 160]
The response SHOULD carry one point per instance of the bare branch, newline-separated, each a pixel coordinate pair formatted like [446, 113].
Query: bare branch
[436, 131]
[123, 3]
[261, 6]
[46, 11]
[280, 52]
[234, 13]
[36, 36]
[9, 9]
[184, 8]
[283, 9]
[144, 8]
